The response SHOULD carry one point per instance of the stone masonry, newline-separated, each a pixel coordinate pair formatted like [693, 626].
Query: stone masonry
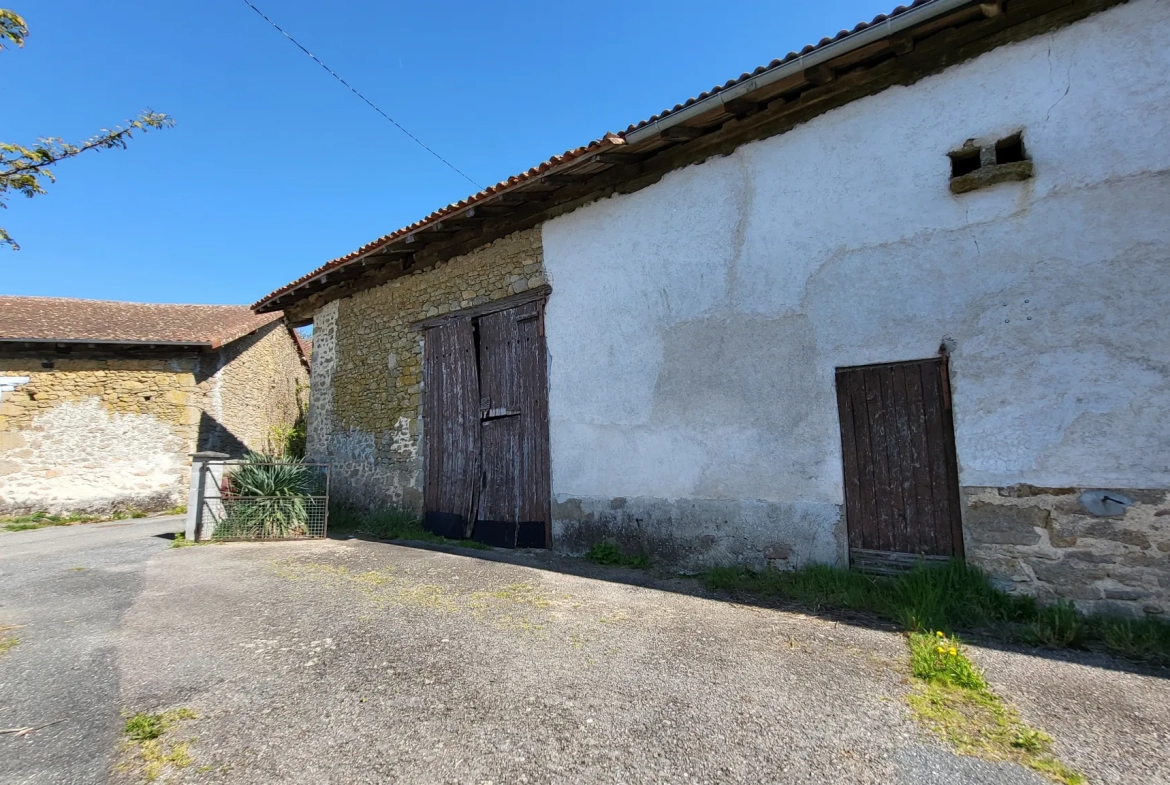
[1105, 550]
[365, 418]
[102, 434]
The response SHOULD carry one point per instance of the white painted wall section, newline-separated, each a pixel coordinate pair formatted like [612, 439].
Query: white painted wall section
[695, 325]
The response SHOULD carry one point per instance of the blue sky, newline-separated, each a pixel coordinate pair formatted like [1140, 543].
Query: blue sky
[273, 168]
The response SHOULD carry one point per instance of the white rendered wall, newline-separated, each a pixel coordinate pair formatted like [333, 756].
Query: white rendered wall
[694, 326]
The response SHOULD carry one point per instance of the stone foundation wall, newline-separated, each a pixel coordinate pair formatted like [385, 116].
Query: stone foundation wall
[1107, 550]
[696, 534]
[365, 416]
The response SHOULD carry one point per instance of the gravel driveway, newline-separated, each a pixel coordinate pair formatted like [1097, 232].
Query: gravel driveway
[360, 662]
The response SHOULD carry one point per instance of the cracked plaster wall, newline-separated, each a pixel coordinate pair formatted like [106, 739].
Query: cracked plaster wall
[695, 325]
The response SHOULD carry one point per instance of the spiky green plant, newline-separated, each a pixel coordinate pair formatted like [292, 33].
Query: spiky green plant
[265, 498]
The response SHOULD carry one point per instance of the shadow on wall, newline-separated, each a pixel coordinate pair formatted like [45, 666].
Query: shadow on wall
[214, 436]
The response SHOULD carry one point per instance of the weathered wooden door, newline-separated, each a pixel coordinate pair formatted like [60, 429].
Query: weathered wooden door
[898, 448]
[501, 487]
[451, 407]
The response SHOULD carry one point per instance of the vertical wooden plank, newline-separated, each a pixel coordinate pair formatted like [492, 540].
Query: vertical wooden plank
[537, 497]
[451, 409]
[880, 440]
[920, 458]
[850, 470]
[867, 483]
[951, 452]
[932, 399]
[892, 404]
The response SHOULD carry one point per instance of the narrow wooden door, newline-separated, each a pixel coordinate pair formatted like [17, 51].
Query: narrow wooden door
[513, 410]
[898, 449]
[452, 431]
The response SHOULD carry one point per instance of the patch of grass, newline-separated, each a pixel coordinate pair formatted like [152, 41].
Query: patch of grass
[180, 541]
[952, 597]
[1057, 626]
[1143, 639]
[608, 553]
[390, 524]
[180, 510]
[39, 520]
[7, 642]
[146, 748]
[952, 699]
[937, 659]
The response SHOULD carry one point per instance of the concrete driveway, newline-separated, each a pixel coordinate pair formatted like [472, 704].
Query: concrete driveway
[359, 662]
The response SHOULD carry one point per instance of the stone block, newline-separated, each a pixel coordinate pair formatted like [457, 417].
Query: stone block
[11, 440]
[1001, 524]
[9, 467]
[1068, 574]
[1024, 490]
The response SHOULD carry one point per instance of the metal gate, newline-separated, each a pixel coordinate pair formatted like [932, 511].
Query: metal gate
[898, 450]
[256, 498]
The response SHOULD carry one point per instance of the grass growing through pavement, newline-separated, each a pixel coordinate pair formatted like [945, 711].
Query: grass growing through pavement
[146, 748]
[608, 553]
[391, 524]
[39, 520]
[953, 597]
[952, 699]
[7, 642]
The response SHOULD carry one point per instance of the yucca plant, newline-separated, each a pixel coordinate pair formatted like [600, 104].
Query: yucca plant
[264, 498]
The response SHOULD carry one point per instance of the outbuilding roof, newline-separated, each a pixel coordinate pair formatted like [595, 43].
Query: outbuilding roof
[68, 320]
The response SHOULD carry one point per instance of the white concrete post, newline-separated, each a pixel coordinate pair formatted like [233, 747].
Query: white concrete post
[200, 472]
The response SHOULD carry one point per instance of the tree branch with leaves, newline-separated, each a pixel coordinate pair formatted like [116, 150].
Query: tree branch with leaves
[26, 170]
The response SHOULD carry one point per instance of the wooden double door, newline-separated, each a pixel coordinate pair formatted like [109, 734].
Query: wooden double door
[900, 471]
[486, 427]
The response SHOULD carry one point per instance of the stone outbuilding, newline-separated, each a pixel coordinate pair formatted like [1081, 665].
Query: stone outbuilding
[101, 403]
[901, 295]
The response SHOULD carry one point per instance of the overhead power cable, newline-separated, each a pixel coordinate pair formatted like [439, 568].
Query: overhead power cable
[350, 87]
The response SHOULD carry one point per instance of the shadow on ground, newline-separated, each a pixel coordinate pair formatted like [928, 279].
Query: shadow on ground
[662, 580]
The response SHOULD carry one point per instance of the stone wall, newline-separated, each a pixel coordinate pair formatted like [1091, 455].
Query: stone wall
[258, 382]
[97, 434]
[106, 433]
[365, 415]
[1106, 550]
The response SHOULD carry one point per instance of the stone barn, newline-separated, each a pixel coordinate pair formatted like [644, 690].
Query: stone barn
[101, 403]
[899, 296]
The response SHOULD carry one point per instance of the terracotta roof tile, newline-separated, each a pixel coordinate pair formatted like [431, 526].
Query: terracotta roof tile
[68, 320]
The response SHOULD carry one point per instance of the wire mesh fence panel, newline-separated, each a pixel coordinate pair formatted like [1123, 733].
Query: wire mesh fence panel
[254, 500]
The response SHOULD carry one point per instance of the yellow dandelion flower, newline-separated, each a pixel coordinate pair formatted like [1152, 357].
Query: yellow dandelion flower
[941, 650]
[954, 651]
[940, 634]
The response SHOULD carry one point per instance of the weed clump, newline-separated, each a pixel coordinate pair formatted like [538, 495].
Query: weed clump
[7, 642]
[608, 553]
[953, 700]
[1057, 626]
[146, 749]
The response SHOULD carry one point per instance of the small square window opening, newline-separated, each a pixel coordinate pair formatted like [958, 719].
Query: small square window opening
[964, 162]
[1010, 150]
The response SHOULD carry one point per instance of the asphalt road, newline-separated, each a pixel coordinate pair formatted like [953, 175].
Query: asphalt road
[358, 662]
[67, 589]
